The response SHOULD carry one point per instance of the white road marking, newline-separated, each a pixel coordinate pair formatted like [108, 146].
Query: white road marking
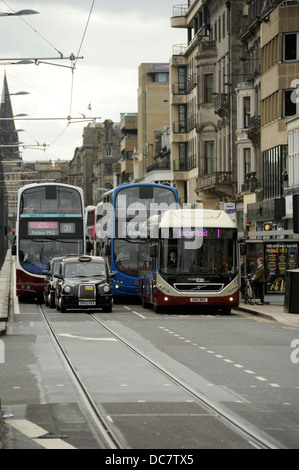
[36, 433]
[209, 351]
[262, 379]
[139, 314]
[67, 335]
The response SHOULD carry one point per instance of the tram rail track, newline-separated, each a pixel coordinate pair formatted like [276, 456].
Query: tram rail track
[107, 436]
[255, 437]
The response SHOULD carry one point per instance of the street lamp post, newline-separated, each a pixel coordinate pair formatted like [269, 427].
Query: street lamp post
[20, 13]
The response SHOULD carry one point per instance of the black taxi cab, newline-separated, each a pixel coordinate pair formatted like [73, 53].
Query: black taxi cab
[83, 282]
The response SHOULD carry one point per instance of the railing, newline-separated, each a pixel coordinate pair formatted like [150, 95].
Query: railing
[179, 49]
[163, 165]
[181, 10]
[254, 121]
[207, 46]
[214, 179]
[221, 101]
[179, 88]
[183, 127]
[189, 164]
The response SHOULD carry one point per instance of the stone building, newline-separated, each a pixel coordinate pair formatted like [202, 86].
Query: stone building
[204, 74]
[95, 164]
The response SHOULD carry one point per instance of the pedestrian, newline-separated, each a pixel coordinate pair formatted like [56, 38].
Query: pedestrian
[259, 280]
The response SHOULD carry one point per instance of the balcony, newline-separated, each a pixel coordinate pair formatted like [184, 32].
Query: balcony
[206, 48]
[214, 181]
[254, 129]
[251, 183]
[159, 165]
[221, 104]
[186, 165]
[179, 49]
[184, 127]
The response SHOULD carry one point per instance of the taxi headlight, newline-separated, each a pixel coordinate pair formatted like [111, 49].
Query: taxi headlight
[67, 289]
[106, 288]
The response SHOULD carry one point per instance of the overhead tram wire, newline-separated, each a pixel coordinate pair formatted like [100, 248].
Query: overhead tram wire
[73, 59]
[76, 58]
[37, 32]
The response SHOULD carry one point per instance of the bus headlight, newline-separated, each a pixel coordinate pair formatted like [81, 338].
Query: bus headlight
[67, 289]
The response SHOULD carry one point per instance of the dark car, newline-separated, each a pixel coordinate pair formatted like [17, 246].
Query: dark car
[83, 282]
[50, 280]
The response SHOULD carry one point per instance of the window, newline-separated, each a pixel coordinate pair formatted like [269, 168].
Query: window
[208, 91]
[162, 77]
[246, 111]
[209, 157]
[291, 46]
[182, 118]
[182, 79]
[182, 155]
[247, 163]
[290, 105]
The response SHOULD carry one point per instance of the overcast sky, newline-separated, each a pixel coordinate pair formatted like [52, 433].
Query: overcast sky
[120, 35]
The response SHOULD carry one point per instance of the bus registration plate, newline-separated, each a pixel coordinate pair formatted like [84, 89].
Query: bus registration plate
[198, 299]
[87, 302]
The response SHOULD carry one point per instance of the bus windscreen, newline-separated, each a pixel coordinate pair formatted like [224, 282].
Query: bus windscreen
[50, 201]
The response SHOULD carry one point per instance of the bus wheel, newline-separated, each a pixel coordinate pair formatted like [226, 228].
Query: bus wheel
[226, 310]
[144, 303]
[158, 309]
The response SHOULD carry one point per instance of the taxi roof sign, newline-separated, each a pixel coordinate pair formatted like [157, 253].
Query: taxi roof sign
[84, 259]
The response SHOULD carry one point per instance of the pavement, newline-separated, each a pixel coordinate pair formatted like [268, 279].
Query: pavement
[273, 312]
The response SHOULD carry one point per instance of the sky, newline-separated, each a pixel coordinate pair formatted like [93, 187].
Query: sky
[114, 37]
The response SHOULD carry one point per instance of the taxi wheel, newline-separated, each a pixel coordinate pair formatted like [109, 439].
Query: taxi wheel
[62, 306]
[107, 309]
[46, 299]
[51, 301]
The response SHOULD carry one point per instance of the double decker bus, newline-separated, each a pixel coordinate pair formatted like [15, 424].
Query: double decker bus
[193, 262]
[121, 238]
[50, 222]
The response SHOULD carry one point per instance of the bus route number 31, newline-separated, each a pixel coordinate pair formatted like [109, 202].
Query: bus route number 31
[67, 228]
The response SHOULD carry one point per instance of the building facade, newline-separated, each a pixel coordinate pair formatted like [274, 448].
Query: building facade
[153, 117]
[95, 165]
[128, 146]
[204, 73]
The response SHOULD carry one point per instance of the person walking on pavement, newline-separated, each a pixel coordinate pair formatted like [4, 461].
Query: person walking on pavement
[259, 280]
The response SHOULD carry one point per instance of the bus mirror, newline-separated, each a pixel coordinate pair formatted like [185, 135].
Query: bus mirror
[153, 251]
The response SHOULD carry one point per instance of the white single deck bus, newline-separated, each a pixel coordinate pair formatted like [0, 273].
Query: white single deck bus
[194, 262]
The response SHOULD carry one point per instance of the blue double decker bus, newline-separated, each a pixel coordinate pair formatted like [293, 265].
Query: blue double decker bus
[122, 230]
